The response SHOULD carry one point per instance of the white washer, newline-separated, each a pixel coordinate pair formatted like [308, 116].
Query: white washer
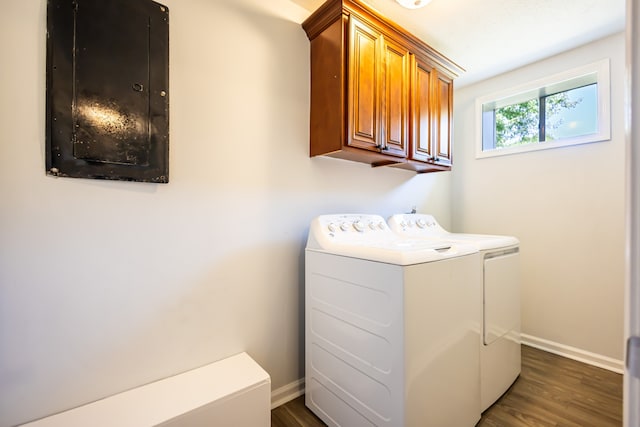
[391, 327]
[499, 265]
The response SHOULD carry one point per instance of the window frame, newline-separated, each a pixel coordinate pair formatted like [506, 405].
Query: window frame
[598, 72]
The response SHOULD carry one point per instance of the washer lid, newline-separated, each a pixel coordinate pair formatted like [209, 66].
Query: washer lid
[369, 237]
[425, 226]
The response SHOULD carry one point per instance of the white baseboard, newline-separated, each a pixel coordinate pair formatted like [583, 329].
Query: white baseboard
[583, 356]
[287, 392]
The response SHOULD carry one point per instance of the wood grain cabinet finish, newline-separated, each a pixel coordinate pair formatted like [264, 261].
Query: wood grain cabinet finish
[432, 115]
[364, 97]
[421, 120]
[443, 118]
[379, 95]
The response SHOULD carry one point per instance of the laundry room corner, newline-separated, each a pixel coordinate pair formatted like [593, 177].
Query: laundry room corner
[566, 205]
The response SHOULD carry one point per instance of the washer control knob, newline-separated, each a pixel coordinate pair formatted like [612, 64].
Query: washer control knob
[358, 226]
[344, 226]
[332, 227]
[381, 225]
[421, 223]
[372, 225]
[403, 224]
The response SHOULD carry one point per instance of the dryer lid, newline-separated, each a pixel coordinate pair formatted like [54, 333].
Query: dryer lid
[424, 226]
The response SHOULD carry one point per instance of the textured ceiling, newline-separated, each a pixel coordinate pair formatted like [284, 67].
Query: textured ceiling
[489, 37]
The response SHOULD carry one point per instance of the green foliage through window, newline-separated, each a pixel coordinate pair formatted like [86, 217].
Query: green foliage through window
[519, 124]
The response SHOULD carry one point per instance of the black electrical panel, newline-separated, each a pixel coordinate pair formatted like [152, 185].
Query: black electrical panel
[108, 90]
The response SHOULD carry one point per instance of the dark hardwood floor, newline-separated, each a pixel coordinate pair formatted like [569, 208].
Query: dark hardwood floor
[551, 391]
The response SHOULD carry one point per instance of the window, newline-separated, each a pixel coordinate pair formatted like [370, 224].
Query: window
[566, 109]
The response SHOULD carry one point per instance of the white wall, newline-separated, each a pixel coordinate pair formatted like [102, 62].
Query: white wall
[105, 286]
[566, 205]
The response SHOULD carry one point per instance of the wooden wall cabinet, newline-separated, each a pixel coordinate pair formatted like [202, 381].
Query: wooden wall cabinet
[378, 94]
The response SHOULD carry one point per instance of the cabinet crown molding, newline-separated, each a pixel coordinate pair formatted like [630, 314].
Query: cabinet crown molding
[332, 10]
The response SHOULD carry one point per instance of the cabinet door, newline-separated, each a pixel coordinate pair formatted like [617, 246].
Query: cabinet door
[421, 106]
[395, 102]
[364, 86]
[443, 114]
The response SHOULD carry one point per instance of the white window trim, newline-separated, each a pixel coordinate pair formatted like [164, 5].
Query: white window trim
[600, 68]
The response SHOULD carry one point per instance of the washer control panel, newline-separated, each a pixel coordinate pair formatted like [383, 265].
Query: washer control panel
[345, 225]
[416, 224]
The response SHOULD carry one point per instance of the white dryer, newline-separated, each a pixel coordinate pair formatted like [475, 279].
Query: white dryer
[391, 327]
[499, 266]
